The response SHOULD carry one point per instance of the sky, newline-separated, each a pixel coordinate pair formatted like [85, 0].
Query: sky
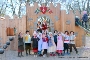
[16, 5]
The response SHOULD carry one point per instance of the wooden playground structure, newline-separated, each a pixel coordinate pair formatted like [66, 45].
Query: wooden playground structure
[59, 20]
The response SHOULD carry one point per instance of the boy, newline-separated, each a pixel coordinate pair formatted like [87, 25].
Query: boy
[27, 42]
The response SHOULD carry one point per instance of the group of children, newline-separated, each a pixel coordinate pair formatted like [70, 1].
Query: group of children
[44, 43]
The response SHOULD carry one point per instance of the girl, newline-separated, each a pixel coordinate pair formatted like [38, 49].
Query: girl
[40, 44]
[20, 44]
[72, 42]
[44, 44]
[35, 40]
[59, 44]
[66, 41]
[52, 46]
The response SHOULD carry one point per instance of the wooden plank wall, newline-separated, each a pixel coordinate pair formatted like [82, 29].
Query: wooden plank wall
[81, 32]
[19, 23]
[71, 26]
[67, 17]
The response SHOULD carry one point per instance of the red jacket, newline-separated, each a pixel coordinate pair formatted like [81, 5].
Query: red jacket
[44, 26]
[45, 39]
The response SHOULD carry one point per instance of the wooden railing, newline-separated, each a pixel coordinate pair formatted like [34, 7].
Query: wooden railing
[79, 23]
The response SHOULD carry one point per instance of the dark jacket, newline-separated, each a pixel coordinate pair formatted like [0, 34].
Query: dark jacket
[55, 38]
[76, 21]
[20, 41]
[35, 42]
[85, 17]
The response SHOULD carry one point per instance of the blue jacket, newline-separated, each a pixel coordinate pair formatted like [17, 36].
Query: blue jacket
[50, 42]
[85, 17]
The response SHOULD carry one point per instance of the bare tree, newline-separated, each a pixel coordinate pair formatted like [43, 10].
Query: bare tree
[78, 5]
[74, 5]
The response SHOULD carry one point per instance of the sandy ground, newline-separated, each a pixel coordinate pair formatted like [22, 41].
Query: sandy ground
[83, 54]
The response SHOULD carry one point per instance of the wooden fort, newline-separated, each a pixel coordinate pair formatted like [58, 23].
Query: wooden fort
[59, 20]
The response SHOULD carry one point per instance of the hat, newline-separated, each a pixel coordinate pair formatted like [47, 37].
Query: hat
[84, 12]
[34, 33]
[50, 33]
[77, 16]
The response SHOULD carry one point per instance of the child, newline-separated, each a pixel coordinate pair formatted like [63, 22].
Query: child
[66, 41]
[55, 37]
[52, 46]
[72, 42]
[44, 44]
[20, 44]
[39, 28]
[27, 42]
[59, 44]
[35, 40]
[40, 44]
[44, 26]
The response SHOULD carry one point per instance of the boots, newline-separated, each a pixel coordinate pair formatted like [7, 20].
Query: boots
[22, 55]
[19, 54]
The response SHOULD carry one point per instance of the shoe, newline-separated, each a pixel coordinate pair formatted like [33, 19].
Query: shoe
[59, 54]
[34, 56]
[50, 54]
[62, 54]
[40, 55]
[54, 55]
[27, 54]
[68, 53]
[22, 56]
[76, 52]
[19, 56]
[44, 55]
